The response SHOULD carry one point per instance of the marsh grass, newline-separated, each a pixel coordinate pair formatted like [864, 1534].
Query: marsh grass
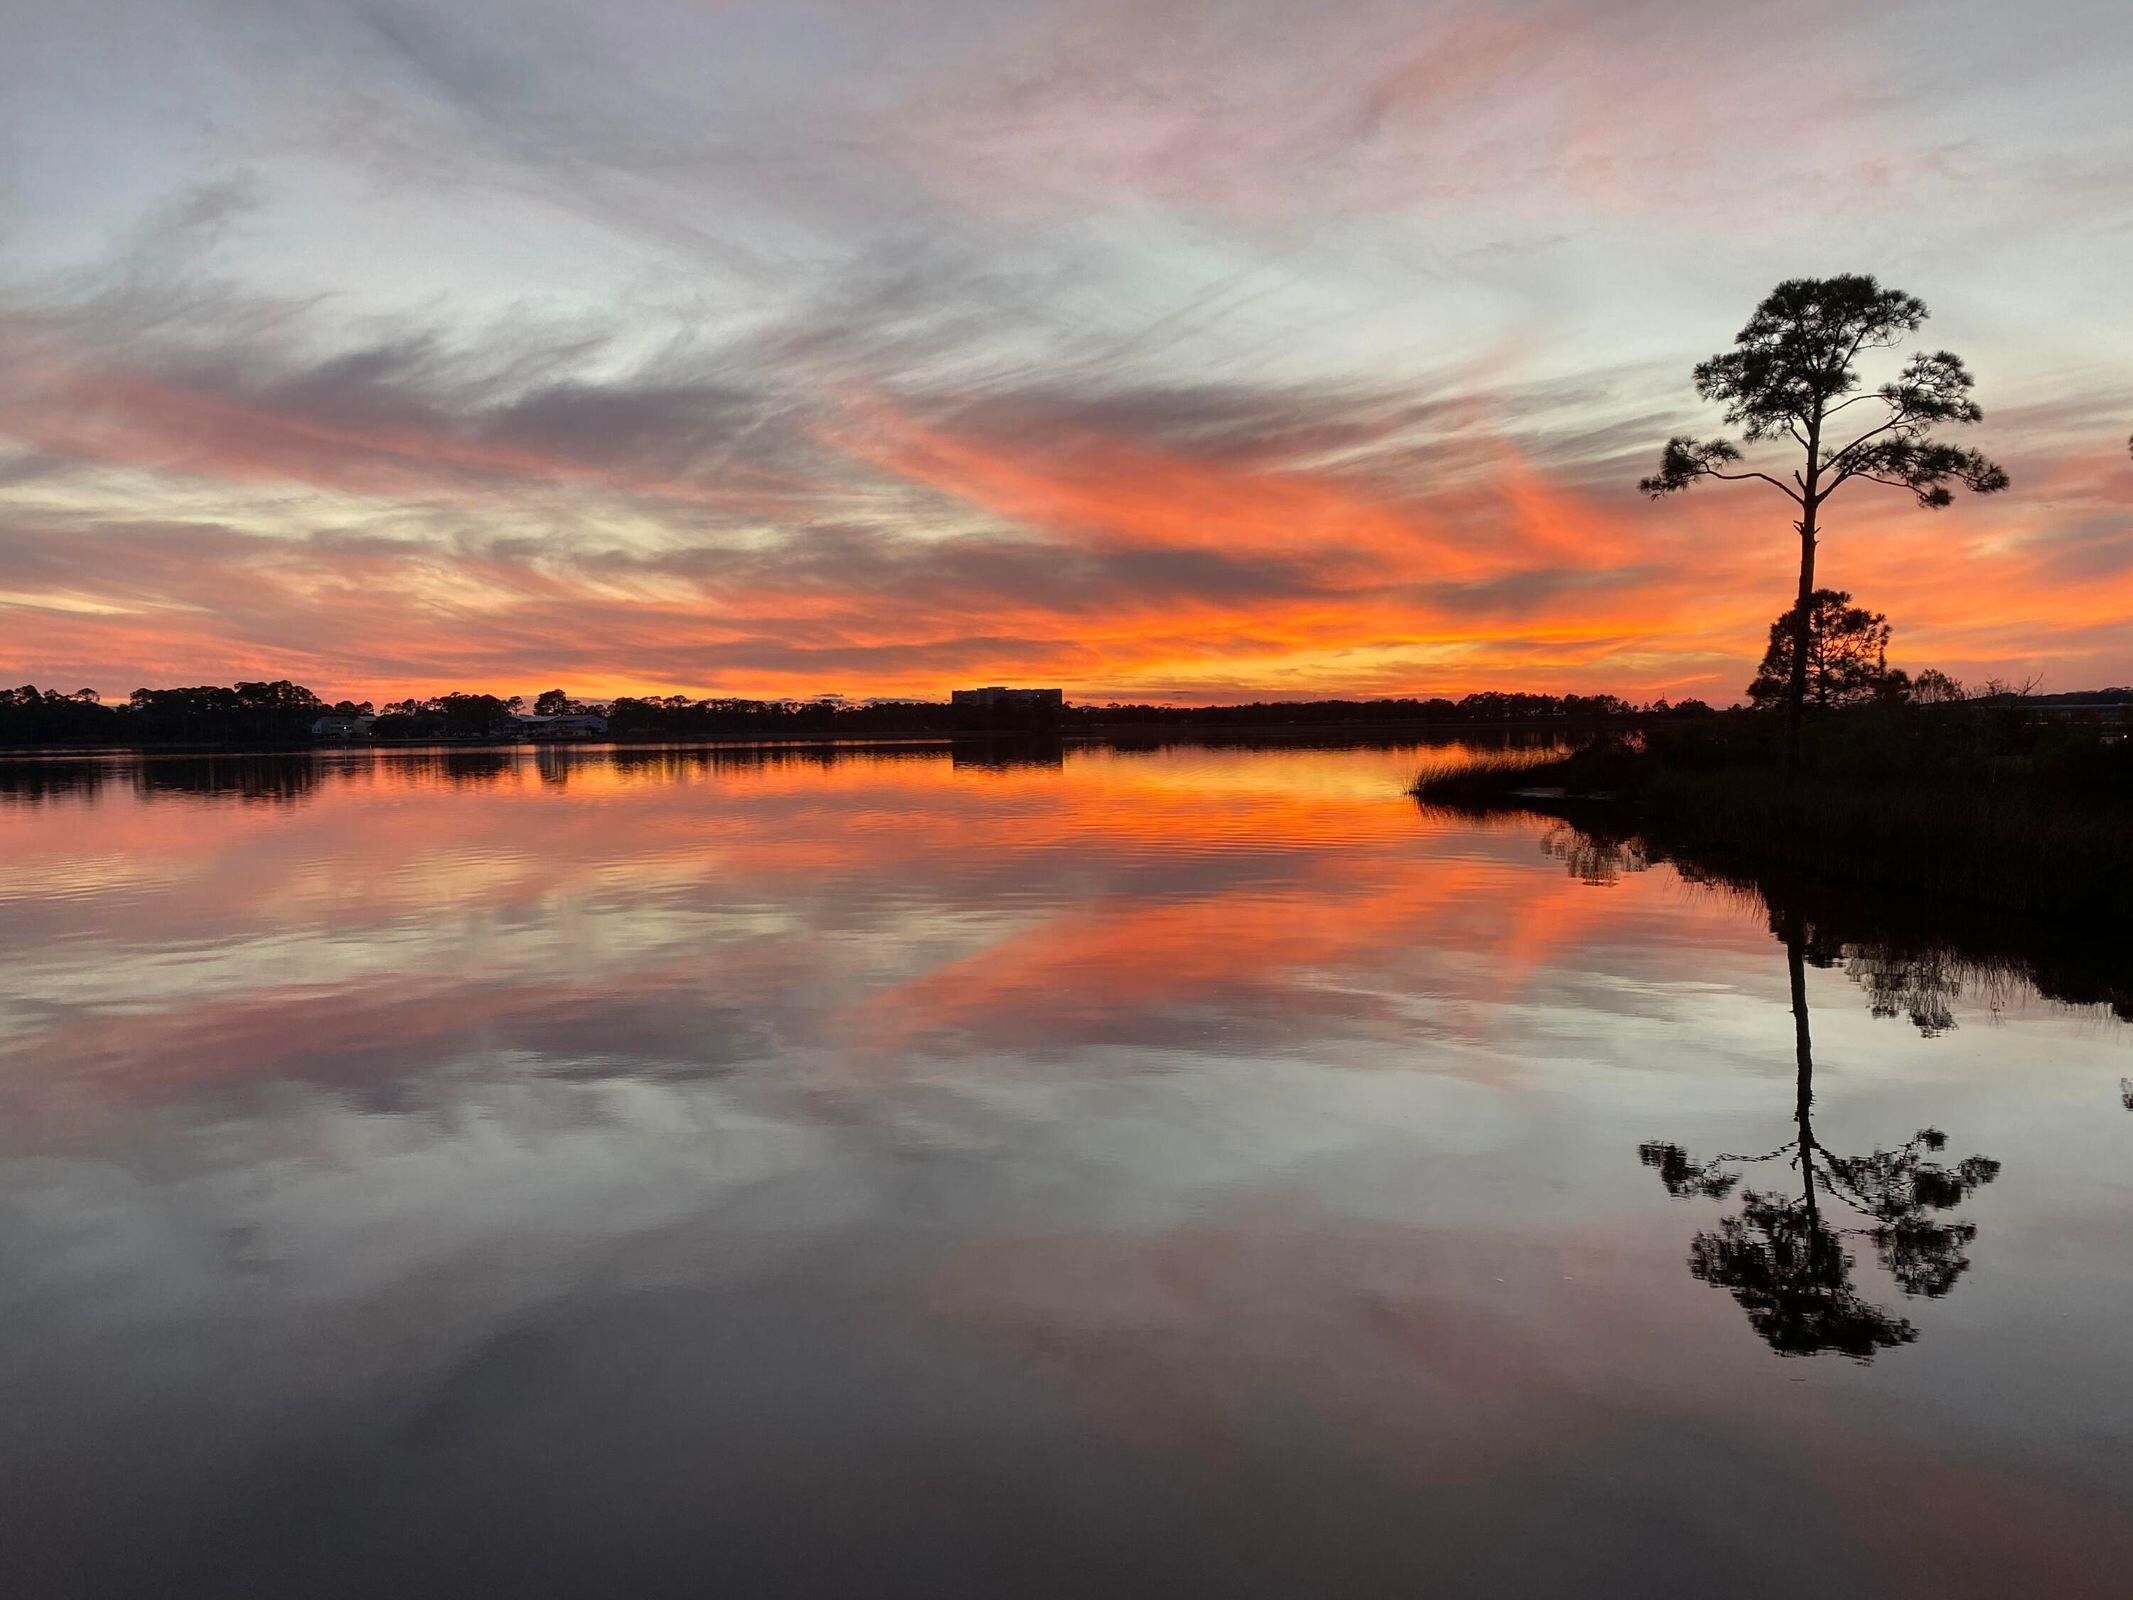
[1980, 808]
[1491, 773]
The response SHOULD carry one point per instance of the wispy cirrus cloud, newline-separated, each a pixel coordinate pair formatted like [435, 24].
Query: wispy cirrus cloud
[1155, 350]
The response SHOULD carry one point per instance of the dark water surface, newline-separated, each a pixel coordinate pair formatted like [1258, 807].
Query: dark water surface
[1180, 1172]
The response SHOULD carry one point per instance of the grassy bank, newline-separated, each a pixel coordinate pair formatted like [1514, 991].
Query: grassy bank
[1978, 805]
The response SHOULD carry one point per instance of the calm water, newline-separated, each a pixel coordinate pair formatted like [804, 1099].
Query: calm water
[1196, 1171]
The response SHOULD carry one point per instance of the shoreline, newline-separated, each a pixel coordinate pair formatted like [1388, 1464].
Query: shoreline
[1090, 733]
[2019, 846]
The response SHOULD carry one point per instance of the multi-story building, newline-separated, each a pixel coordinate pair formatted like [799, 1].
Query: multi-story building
[997, 698]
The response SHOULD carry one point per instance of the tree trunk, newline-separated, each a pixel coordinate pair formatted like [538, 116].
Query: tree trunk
[1820, 1246]
[1804, 1062]
[1802, 619]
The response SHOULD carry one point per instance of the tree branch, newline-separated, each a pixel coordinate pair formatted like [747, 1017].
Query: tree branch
[1742, 476]
[1872, 394]
[1902, 416]
[1861, 472]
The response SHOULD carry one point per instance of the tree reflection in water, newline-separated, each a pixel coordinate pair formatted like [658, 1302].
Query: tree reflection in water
[1593, 857]
[1912, 956]
[1787, 1260]
[1787, 1257]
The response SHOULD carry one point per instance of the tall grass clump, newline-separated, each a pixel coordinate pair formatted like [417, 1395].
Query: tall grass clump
[1476, 776]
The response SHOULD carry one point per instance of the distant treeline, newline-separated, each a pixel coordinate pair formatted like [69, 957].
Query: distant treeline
[1490, 706]
[274, 713]
[678, 717]
[285, 713]
[245, 713]
[282, 713]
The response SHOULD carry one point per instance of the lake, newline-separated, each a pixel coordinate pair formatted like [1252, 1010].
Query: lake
[1024, 1171]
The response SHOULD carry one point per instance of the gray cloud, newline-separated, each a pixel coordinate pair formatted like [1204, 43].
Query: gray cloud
[752, 336]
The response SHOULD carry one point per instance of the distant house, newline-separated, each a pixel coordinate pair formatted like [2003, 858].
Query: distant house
[571, 725]
[342, 727]
[996, 698]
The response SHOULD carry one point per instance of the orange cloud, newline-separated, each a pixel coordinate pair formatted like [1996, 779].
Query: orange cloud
[1177, 561]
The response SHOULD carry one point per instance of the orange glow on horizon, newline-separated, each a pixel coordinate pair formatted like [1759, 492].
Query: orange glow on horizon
[1115, 568]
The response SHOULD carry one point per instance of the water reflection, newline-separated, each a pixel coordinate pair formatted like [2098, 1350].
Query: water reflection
[1785, 1261]
[1006, 755]
[1912, 959]
[829, 1171]
[1782, 1256]
[1593, 858]
[259, 779]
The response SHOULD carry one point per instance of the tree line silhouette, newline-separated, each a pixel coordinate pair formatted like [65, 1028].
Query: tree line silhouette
[283, 713]
[1792, 373]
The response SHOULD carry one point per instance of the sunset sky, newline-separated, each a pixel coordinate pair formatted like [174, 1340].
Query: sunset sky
[1150, 348]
